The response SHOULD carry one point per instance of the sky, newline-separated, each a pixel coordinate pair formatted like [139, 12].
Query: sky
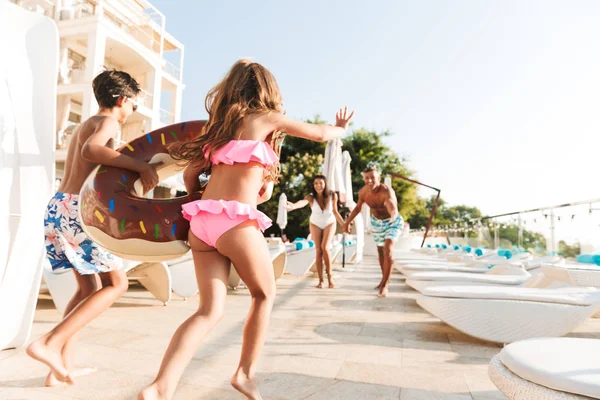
[497, 103]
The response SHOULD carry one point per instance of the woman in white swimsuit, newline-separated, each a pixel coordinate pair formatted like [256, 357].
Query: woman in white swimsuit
[323, 203]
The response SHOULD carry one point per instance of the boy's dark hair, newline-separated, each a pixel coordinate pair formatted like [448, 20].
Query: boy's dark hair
[111, 84]
[371, 167]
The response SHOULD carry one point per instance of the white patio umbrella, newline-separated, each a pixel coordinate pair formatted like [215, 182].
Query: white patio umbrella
[350, 203]
[387, 181]
[347, 176]
[282, 212]
[332, 167]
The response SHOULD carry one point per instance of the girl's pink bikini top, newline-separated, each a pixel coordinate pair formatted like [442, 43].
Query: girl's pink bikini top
[244, 151]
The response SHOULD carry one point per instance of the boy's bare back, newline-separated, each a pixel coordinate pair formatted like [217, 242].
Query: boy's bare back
[77, 168]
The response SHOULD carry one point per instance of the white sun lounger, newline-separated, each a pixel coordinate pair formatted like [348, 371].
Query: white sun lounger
[279, 259]
[404, 258]
[514, 274]
[183, 276]
[335, 251]
[576, 274]
[350, 252]
[508, 314]
[300, 261]
[451, 255]
[548, 368]
[61, 285]
[500, 275]
[477, 265]
[155, 277]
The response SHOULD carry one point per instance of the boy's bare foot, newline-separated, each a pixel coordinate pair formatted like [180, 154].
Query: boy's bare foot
[245, 386]
[383, 292]
[40, 351]
[51, 380]
[320, 285]
[331, 284]
[151, 393]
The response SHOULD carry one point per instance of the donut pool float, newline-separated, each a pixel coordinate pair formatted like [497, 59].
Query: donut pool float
[116, 216]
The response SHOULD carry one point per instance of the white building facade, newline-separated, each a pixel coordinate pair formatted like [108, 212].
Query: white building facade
[128, 35]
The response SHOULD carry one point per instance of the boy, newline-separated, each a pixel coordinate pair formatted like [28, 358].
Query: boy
[67, 246]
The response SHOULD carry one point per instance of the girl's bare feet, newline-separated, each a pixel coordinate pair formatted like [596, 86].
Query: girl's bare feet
[151, 393]
[42, 352]
[51, 380]
[320, 285]
[245, 385]
[331, 284]
[383, 292]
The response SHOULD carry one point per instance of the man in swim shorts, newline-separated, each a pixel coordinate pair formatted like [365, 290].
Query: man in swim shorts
[386, 221]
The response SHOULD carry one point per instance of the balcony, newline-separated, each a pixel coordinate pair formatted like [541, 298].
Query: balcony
[45, 7]
[166, 117]
[147, 99]
[173, 70]
[140, 31]
[142, 22]
[139, 20]
[80, 9]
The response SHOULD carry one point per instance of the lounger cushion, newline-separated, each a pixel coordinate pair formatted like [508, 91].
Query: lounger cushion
[471, 277]
[579, 296]
[566, 364]
[593, 259]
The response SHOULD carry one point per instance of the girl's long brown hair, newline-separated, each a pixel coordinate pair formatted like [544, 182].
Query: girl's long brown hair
[247, 89]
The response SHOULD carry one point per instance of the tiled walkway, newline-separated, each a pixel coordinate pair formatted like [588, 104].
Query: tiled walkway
[323, 344]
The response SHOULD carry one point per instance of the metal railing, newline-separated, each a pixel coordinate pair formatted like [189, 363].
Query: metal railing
[566, 229]
[142, 25]
[46, 7]
[172, 70]
[142, 33]
[167, 117]
[80, 9]
[147, 99]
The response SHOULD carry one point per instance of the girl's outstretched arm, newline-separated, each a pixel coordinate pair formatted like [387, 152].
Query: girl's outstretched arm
[314, 132]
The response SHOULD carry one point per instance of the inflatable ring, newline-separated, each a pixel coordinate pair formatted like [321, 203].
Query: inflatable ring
[116, 216]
